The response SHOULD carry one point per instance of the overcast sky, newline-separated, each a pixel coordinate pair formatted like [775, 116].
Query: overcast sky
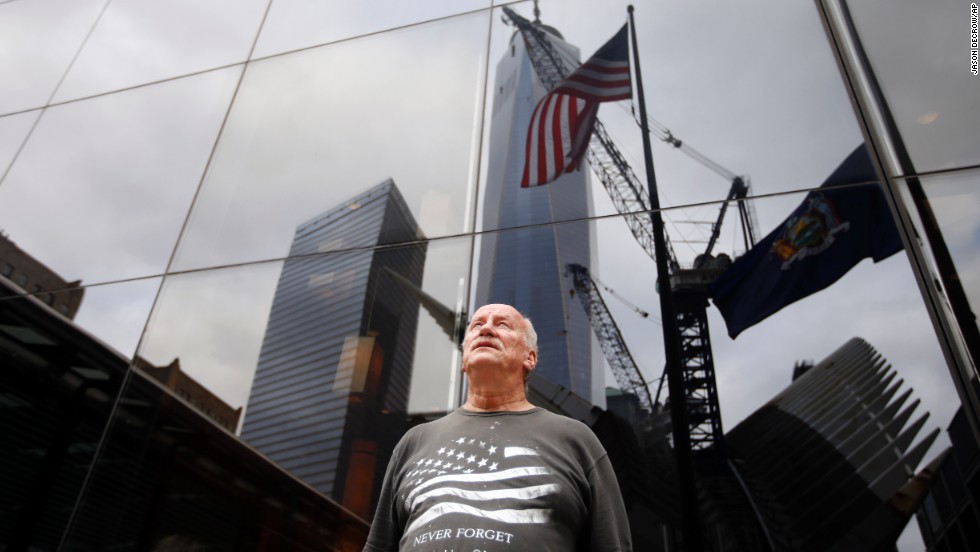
[102, 187]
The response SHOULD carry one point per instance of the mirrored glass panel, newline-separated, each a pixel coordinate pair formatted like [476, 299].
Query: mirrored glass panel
[169, 478]
[878, 302]
[101, 189]
[728, 93]
[113, 315]
[953, 201]
[318, 129]
[13, 131]
[929, 83]
[295, 24]
[321, 358]
[798, 298]
[140, 42]
[37, 43]
[62, 371]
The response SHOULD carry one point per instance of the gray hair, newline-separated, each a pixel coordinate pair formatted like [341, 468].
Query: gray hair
[530, 336]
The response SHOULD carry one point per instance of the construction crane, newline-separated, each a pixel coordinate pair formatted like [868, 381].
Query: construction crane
[613, 347]
[690, 285]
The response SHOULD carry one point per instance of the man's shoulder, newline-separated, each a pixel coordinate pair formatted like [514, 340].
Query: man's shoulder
[432, 426]
[573, 432]
[564, 422]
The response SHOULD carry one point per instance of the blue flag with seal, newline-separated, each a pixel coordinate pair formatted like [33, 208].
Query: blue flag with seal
[830, 232]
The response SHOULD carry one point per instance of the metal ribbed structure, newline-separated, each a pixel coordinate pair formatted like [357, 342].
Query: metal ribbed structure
[824, 454]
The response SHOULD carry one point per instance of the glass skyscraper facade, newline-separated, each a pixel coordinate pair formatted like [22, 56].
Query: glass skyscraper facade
[330, 380]
[190, 170]
[526, 269]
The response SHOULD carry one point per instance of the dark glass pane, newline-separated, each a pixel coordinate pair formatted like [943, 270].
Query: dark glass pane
[168, 478]
[953, 201]
[57, 388]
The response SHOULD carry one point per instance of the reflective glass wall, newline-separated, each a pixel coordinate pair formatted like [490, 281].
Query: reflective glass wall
[238, 239]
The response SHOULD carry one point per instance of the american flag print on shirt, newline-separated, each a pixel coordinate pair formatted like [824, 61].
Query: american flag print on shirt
[563, 121]
[477, 478]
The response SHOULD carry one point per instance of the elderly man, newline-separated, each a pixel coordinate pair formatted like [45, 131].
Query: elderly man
[499, 474]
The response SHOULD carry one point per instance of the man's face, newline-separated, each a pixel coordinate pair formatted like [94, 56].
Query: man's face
[495, 340]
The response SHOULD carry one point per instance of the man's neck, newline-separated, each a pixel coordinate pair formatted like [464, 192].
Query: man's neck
[484, 402]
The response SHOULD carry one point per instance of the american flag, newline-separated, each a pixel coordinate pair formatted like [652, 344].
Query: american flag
[563, 120]
[478, 478]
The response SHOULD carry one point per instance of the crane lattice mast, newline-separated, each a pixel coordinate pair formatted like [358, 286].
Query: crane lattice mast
[610, 339]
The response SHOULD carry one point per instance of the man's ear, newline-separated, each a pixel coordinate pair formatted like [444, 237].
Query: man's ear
[530, 361]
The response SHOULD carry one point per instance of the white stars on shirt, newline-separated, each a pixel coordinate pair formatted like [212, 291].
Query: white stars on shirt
[467, 455]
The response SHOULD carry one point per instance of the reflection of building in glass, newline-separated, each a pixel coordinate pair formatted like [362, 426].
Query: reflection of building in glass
[166, 476]
[189, 389]
[336, 362]
[950, 515]
[32, 276]
[525, 268]
[826, 464]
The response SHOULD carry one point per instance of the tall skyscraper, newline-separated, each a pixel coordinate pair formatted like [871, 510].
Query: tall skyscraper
[332, 382]
[526, 267]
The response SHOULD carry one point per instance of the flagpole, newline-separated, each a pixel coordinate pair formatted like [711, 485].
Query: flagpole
[690, 514]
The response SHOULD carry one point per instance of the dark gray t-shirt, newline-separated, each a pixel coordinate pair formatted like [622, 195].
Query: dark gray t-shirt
[500, 482]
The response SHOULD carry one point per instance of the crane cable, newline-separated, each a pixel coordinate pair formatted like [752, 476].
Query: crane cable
[631, 305]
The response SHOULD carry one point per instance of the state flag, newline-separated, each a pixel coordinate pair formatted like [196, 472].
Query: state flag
[830, 232]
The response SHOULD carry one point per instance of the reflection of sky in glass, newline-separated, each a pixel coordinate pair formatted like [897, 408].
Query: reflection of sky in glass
[313, 128]
[927, 83]
[116, 313]
[37, 43]
[139, 42]
[13, 131]
[293, 24]
[103, 185]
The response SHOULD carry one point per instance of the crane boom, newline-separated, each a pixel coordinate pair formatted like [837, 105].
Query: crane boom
[610, 339]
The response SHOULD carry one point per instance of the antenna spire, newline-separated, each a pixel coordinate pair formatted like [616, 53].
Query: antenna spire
[537, 13]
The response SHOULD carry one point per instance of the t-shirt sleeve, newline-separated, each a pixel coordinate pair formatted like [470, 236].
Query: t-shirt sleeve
[387, 528]
[609, 529]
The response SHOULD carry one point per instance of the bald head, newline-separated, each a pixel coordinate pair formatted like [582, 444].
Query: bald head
[499, 328]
